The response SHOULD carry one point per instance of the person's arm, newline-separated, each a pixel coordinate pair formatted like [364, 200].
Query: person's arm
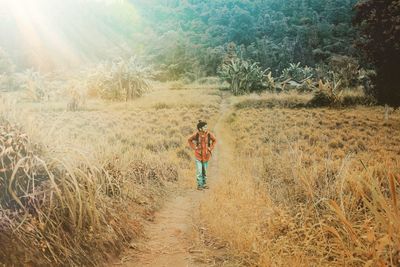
[214, 141]
[190, 141]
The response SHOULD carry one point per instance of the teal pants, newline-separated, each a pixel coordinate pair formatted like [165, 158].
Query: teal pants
[201, 178]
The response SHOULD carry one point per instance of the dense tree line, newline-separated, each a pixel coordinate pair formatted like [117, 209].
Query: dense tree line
[187, 38]
[191, 38]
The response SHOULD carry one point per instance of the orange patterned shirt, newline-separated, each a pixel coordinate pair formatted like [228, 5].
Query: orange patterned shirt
[200, 146]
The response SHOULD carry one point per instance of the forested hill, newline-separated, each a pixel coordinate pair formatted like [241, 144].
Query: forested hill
[182, 38]
[192, 36]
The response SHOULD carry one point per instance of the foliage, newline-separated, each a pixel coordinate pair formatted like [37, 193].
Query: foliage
[327, 94]
[77, 99]
[365, 79]
[243, 76]
[346, 69]
[197, 36]
[379, 23]
[296, 73]
[270, 84]
[192, 38]
[35, 85]
[121, 79]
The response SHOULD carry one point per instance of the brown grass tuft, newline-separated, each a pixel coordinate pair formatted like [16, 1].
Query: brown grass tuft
[311, 187]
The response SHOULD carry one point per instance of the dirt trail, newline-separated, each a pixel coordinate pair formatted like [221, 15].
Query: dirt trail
[171, 233]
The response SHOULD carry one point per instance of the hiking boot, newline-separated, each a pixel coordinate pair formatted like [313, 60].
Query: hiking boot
[199, 187]
[206, 187]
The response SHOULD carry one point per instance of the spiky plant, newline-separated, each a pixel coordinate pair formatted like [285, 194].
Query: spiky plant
[35, 86]
[121, 79]
[243, 76]
[270, 82]
[327, 94]
[296, 73]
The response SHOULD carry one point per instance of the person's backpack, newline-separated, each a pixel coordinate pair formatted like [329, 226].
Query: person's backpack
[198, 139]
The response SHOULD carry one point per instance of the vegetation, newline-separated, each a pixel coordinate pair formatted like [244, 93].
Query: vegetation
[310, 187]
[379, 23]
[66, 196]
[243, 76]
[120, 80]
[97, 99]
[296, 73]
[197, 35]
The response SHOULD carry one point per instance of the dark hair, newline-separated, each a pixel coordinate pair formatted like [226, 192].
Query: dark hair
[201, 124]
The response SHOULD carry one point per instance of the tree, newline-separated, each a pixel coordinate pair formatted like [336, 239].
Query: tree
[379, 24]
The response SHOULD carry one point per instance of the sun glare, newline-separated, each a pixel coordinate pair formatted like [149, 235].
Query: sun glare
[61, 32]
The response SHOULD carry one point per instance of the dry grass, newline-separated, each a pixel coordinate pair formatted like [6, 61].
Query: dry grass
[315, 187]
[294, 99]
[104, 171]
[270, 100]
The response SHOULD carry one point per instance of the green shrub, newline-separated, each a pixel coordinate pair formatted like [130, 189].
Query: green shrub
[346, 69]
[120, 80]
[243, 76]
[296, 73]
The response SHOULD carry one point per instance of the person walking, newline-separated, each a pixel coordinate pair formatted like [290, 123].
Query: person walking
[203, 143]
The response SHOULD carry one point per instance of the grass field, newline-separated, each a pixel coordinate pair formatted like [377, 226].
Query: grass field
[296, 186]
[112, 165]
[309, 187]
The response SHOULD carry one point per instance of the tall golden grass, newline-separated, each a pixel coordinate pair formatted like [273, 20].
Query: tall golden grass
[310, 187]
[94, 176]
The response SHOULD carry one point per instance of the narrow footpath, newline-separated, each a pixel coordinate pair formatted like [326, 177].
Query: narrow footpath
[171, 234]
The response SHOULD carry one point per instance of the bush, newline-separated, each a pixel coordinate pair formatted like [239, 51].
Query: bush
[331, 94]
[365, 78]
[35, 85]
[120, 80]
[327, 94]
[55, 210]
[77, 99]
[39, 214]
[320, 99]
[296, 73]
[243, 76]
[346, 69]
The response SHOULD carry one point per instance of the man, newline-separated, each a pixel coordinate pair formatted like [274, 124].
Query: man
[203, 143]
